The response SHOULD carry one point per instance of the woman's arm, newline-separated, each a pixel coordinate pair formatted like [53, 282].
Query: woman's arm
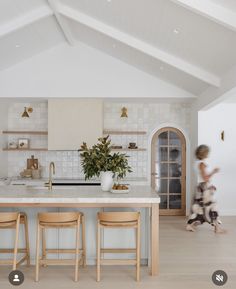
[206, 177]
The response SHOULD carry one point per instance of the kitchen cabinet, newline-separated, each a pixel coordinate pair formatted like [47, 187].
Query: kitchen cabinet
[72, 122]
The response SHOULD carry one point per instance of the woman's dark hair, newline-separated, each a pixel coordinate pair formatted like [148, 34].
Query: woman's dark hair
[202, 152]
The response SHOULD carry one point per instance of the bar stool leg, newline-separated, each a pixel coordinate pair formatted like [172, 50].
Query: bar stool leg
[16, 242]
[138, 251]
[83, 242]
[37, 253]
[27, 239]
[44, 254]
[77, 252]
[98, 251]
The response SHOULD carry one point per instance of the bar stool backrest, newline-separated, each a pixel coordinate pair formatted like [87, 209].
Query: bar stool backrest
[62, 217]
[119, 217]
[8, 217]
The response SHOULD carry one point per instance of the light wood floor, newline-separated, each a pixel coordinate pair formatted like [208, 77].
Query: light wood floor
[187, 261]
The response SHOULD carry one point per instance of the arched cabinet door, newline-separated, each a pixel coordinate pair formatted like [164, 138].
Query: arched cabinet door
[169, 170]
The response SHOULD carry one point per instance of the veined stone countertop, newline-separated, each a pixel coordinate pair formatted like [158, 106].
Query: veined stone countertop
[75, 194]
[25, 181]
[31, 182]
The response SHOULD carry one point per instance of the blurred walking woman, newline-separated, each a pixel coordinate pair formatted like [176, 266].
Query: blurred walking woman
[204, 208]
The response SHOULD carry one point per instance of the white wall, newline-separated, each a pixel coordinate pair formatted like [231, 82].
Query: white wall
[223, 154]
[193, 145]
[142, 116]
[81, 71]
[3, 126]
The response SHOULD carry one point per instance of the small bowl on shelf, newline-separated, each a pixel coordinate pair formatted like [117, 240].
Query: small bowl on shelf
[12, 145]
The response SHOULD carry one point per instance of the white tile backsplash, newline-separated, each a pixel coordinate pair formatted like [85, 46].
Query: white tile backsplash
[141, 116]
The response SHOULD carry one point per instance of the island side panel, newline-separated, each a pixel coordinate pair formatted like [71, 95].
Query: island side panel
[155, 239]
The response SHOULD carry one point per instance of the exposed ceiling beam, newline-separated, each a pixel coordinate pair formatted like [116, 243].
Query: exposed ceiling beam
[137, 44]
[213, 95]
[212, 11]
[24, 20]
[62, 24]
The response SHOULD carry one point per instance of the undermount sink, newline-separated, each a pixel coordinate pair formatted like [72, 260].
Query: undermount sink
[65, 184]
[62, 185]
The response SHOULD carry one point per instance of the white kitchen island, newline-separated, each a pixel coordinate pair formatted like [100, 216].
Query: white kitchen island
[33, 200]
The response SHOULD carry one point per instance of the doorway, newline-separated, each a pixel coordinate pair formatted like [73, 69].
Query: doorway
[168, 173]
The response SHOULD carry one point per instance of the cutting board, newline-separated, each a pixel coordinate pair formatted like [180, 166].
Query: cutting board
[32, 163]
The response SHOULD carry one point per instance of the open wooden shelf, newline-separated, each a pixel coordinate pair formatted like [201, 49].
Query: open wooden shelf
[25, 132]
[130, 150]
[123, 132]
[20, 150]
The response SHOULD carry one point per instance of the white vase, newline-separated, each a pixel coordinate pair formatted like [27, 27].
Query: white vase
[106, 180]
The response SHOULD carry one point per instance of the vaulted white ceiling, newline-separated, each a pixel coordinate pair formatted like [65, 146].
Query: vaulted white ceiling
[188, 43]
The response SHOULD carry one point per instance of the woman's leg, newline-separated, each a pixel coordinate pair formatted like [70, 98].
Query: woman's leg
[213, 216]
[196, 218]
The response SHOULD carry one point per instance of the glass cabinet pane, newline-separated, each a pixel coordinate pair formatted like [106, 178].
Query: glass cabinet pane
[175, 186]
[163, 138]
[164, 170]
[175, 202]
[163, 203]
[162, 186]
[175, 155]
[174, 170]
[174, 139]
[163, 154]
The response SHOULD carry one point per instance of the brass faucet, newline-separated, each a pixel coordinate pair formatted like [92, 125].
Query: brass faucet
[51, 171]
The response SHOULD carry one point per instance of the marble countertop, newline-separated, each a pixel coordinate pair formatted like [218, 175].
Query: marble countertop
[25, 181]
[75, 194]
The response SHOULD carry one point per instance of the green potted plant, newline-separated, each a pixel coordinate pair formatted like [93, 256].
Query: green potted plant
[99, 161]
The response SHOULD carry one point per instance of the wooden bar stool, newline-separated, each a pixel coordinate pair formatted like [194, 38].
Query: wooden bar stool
[12, 220]
[60, 220]
[118, 220]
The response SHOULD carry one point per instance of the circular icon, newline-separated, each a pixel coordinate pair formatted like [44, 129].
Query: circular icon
[219, 277]
[16, 278]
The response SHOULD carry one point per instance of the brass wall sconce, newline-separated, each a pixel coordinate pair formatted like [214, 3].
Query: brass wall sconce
[222, 135]
[124, 112]
[26, 112]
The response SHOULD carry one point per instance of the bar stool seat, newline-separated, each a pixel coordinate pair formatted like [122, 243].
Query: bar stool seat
[12, 220]
[118, 224]
[118, 220]
[60, 220]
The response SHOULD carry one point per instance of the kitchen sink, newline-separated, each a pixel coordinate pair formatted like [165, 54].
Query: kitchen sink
[76, 184]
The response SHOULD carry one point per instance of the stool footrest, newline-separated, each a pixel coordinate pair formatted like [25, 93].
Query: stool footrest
[124, 250]
[57, 262]
[9, 250]
[10, 262]
[118, 262]
[64, 251]
[22, 260]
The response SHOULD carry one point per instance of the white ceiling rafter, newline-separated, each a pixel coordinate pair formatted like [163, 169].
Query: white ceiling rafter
[212, 11]
[139, 45]
[24, 20]
[62, 24]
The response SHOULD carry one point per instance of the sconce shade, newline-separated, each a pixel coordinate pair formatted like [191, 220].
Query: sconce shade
[124, 112]
[25, 113]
